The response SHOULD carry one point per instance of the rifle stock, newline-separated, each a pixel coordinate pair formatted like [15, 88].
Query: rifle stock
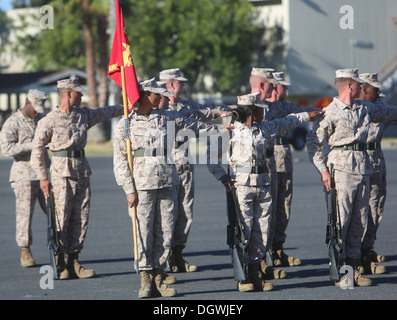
[52, 239]
[235, 236]
[333, 239]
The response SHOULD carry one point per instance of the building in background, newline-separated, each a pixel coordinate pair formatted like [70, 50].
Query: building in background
[313, 38]
[306, 39]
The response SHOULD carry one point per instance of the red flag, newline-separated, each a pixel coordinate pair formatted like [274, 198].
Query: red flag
[121, 56]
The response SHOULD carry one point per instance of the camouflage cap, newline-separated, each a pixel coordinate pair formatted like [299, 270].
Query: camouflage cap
[372, 79]
[279, 76]
[37, 99]
[152, 86]
[172, 74]
[348, 73]
[248, 99]
[265, 73]
[70, 84]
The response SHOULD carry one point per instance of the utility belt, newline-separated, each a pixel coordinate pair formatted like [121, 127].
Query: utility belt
[253, 169]
[281, 141]
[359, 146]
[69, 153]
[155, 152]
[150, 152]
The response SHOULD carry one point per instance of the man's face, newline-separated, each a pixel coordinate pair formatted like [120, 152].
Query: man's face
[281, 91]
[154, 99]
[176, 87]
[30, 111]
[355, 88]
[371, 93]
[75, 98]
[266, 88]
[164, 102]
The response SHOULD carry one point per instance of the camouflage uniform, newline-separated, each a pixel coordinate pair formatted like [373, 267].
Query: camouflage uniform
[249, 148]
[66, 136]
[16, 141]
[377, 182]
[185, 168]
[340, 126]
[280, 166]
[155, 178]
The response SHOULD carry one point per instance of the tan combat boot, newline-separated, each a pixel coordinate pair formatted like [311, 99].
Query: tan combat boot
[280, 258]
[359, 279]
[167, 279]
[255, 276]
[177, 263]
[145, 290]
[269, 273]
[161, 289]
[245, 286]
[76, 271]
[61, 263]
[26, 258]
[369, 266]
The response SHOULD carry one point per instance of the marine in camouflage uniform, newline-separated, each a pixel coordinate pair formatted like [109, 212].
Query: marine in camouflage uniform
[277, 107]
[64, 130]
[185, 169]
[16, 141]
[370, 90]
[153, 188]
[344, 127]
[248, 159]
[262, 80]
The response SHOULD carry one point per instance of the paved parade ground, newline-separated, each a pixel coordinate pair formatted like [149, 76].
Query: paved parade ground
[109, 248]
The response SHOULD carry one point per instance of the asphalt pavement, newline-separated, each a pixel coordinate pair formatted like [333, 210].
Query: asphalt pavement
[109, 247]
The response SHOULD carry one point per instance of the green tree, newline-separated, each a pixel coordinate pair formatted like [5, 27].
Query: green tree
[206, 36]
[201, 37]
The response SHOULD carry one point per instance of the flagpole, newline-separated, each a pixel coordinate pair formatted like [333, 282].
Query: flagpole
[129, 158]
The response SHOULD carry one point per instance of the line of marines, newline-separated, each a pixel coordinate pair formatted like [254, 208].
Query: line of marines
[347, 134]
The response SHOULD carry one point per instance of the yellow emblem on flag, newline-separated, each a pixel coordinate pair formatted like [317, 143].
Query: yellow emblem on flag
[127, 56]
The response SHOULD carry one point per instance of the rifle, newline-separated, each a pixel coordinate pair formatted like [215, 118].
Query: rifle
[235, 235]
[333, 232]
[52, 235]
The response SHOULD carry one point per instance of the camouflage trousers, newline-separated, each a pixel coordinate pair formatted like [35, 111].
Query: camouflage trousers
[274, 194]
[155, 223]
[256, 209]
[72, 206]
[283, 207]
[26, 194]
[184, 213]
[377, 201]
[353, 197]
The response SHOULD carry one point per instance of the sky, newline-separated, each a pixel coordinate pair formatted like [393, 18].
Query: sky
[5, 5]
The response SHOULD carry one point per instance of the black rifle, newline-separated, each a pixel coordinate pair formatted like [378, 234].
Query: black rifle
[235, 235]
[52, 235]
[333, 234]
